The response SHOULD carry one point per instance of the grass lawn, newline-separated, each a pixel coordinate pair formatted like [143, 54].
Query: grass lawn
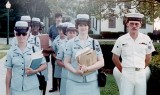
[111, 87]
[2, 54]
[4, 47]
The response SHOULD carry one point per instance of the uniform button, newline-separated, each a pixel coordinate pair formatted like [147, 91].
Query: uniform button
[22, 75]
[22, 56]
[22, 63]
[22, 69]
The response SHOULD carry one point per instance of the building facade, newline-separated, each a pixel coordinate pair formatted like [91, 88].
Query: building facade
[115, 24]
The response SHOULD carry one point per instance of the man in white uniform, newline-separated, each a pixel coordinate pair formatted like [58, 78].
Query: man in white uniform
[135, 50]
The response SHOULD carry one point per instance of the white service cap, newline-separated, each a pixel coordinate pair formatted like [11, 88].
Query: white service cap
[65, 24]
[71, 25]
[60, 24]
[83, 17]
[21, 24]
[134, 15]
[25, 18]
[42, 23]
[35, 19]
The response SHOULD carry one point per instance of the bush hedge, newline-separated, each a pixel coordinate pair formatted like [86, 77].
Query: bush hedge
[106, 47]
[111, 35]
[96, 36]
[154, 81]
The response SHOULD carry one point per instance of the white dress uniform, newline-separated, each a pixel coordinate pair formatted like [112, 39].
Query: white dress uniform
[21, 84]
[117, 75]
[133, 53]
[76, 84]
[56, 45]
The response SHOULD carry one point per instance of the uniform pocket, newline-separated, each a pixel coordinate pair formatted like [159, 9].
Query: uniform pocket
[141, 48]
[126, 50]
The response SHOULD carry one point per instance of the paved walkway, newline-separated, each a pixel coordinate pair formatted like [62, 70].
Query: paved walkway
[3, 73]
[4, 40]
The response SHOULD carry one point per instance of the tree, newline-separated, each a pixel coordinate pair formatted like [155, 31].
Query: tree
[105, 8]
[150, 8]
[34, 8]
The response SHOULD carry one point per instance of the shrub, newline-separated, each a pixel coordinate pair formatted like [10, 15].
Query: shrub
[111, 35]
[154, 81]
[96, 36]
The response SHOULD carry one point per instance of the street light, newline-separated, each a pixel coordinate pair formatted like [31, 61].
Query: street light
[8, 6]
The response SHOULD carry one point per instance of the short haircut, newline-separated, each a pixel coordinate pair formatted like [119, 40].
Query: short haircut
[58, 15]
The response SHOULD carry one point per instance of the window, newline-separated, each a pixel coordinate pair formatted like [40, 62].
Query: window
[112, 22]
[95, 24]
[143, 24]
[92, 20]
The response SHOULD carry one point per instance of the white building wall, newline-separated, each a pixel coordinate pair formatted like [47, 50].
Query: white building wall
[148, 29]
[102, 26]
[119, 26]
[95, 25]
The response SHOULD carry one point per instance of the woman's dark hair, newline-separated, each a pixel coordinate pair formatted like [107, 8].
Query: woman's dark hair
[82, 21]
[71, 29]
[63, 28]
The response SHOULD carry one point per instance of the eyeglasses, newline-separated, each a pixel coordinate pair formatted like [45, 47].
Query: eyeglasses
[132, 24]
[23, 34]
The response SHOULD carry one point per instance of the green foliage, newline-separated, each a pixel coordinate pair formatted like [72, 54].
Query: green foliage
[155, 62]
[106, 42]
[150, 8]
[34, 8]
[104, 9]
[157, 47]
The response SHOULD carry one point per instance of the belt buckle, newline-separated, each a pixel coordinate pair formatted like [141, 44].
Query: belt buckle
[137, 69]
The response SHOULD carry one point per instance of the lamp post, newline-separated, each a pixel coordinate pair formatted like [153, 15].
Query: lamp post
[8, 6]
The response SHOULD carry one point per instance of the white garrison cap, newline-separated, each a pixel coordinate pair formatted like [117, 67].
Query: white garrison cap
[25, 18]
[60, 24]
[134, 15]
[21, 24]
[42, 23]
[65, 24]
[71, 25]
[35, 19]
[83, 16]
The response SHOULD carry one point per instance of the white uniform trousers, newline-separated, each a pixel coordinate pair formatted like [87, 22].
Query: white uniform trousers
[133, 82]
